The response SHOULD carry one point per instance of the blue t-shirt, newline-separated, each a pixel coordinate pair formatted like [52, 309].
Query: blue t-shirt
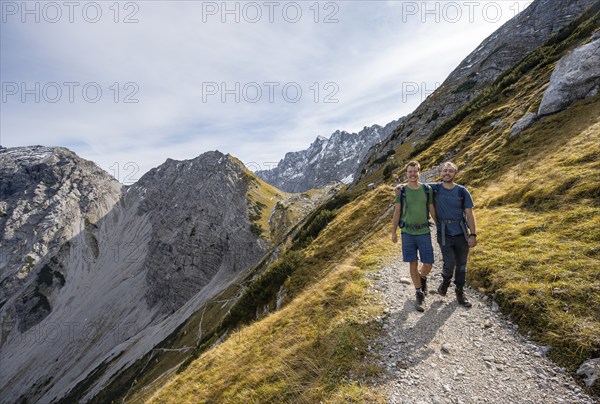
[448, 206]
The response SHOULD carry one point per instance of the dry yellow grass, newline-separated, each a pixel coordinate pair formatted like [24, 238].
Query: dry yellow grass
[295, 355]
[539, 244]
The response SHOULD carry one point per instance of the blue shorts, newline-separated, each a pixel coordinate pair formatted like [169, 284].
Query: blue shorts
[422, 243]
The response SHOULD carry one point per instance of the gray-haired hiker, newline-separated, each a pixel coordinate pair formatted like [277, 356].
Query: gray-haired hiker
[456, 231]
[413, 205]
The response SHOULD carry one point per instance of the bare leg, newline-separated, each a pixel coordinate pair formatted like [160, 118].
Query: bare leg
[425, 269]
[414, 274]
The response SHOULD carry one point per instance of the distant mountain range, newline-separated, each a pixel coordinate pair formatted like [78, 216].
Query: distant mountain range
[326, 161]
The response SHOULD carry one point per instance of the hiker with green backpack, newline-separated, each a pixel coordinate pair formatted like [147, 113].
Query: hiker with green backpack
[413, 205]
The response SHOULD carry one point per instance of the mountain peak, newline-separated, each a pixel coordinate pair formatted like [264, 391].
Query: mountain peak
[82, 246]
[321, 165]
[34, 154]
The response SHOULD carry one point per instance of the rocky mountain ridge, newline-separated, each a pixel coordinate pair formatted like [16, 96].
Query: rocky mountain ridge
[94, 274]
[500, 51]
[327, 160]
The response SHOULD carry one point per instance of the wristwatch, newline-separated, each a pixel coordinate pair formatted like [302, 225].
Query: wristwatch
[473, 235]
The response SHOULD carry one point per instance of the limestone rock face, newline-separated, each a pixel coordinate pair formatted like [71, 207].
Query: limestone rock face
[199, 230]
[47, 196]
[94, 274]
[500, 51]
[326, 161]
[576, 76]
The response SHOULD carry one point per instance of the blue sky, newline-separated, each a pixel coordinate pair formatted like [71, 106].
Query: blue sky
[142, 81]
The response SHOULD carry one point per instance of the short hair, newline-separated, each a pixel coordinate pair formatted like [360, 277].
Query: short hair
[450, 164]
[412, 163]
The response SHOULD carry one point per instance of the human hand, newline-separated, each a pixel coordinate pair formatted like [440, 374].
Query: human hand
[472, 242]
[394, 238]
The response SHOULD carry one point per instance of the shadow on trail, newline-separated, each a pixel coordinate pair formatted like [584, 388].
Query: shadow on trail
[414, 339]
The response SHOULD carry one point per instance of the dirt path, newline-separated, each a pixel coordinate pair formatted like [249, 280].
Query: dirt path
[451, 354]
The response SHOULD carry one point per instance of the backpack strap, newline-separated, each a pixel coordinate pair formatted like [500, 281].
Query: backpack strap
[435, 187]
[462, 193]
[402, 198]
[427, 190]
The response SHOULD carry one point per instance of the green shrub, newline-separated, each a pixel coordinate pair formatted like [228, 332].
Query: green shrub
[380, 160]
[336, 202]
[256, 229]
[263, 289]
[312, 228]
[434, 116]
[389, 169]
[465, 86]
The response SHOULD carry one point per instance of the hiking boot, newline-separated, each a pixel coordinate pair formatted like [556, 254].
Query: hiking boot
[424, 285]
[443, 288]
[461, 298]
[420, 298]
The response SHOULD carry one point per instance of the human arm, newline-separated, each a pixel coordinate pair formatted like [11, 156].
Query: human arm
[432, 213]
[472, 227]
[431, 205]
[395, 221]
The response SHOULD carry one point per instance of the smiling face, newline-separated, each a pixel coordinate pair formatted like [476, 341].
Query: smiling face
[412, 173]
[448, 173]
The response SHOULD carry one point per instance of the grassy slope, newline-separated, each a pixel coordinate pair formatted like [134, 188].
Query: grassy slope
[538, 222]
[261, 199]
[537, 208]
[541, 231]
[316, 345]
[537, 196]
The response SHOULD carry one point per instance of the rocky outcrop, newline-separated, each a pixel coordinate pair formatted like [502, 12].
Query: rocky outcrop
[576, 76]
[95, 274]
[590, 371]
[500, 51]
[526, 121]
[326, 161]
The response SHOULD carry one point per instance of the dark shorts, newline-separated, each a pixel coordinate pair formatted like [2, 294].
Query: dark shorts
[411, 244]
